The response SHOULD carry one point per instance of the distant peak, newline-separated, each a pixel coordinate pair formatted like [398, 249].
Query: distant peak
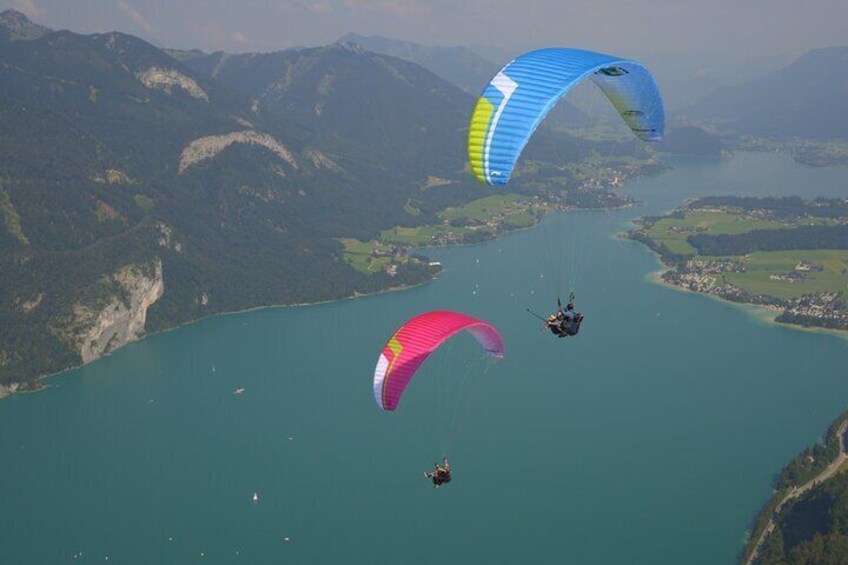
[353, 38]
[348, 46]
[834, 52]
[20, 27]
[13, 16]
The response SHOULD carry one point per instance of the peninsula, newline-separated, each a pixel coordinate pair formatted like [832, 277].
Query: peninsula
[786, 254]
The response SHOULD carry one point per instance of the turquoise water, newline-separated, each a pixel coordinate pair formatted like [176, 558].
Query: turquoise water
[652, 438]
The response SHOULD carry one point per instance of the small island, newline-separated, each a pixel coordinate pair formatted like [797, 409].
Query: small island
[786, 254]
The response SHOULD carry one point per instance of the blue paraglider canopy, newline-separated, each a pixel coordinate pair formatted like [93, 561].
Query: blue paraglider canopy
[521, 94]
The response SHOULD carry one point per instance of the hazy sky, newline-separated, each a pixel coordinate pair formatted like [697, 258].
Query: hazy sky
[749, 27]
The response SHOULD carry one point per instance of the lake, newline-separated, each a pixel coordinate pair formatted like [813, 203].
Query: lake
[653, 437]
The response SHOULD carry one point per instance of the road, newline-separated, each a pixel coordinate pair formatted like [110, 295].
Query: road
[828, 472]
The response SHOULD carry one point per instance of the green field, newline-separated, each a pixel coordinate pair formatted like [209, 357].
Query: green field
[418, 236]
[358, 255]
[761, 265]
[511, 209]
[673, 232]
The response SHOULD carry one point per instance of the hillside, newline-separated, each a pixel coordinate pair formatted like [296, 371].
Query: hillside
[687, 77]
[15, 26]
[804, 522]
[138, 194]
[691, 140]
[808, 98]
[393, 108]
[143, 189]
[458, 65]
[393, 111]
[813, 530]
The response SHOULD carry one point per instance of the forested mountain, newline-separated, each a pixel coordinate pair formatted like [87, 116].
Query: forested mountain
[691, 140]
[813, 529]
[403, 115]
[458, 65]
[396, 113]
[16, 26]
[464, 68]
[140, 189]
[131, 182]
[687, 77]
[808, 98]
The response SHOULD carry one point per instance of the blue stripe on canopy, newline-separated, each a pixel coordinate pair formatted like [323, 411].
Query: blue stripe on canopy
[525, 90]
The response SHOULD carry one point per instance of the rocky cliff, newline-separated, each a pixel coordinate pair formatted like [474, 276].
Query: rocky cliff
[105, 325]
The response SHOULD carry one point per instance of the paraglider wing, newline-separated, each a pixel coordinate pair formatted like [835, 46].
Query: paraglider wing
[522, 93]
[410, 346]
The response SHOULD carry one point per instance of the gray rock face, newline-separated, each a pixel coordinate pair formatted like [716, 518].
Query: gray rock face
[20, 27]
[208, 147]
[101, 330]
[171, 79]
[6, 390]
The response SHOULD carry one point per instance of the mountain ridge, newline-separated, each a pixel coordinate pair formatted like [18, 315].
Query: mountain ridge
[143, 189]
[117, 158]
[18, 27]
[807, 98]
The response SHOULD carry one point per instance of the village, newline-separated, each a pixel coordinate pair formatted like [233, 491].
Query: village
[745, 250]
[819, 309]
[486, 218]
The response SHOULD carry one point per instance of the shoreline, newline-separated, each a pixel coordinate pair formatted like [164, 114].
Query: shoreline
[536, 224]
[37, 384]
[783, 494]
[763, 313]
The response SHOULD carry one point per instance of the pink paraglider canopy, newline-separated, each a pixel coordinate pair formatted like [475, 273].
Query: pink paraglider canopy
[410, 346]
